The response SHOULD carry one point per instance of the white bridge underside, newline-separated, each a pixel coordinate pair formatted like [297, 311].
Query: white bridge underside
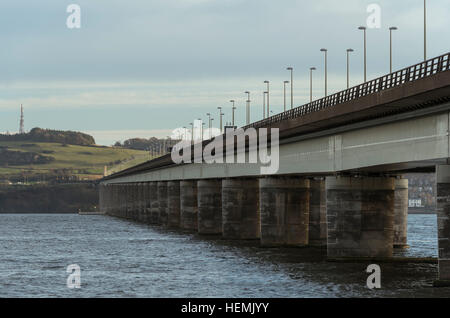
[398, 143]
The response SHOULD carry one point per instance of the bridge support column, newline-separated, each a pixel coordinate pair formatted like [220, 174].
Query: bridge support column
[135, 203]
[188, 205]
[145, 204]
[284, 203]
[129, 201]
[122, 201]
[114, 202]
[360, 215]
[443, 215]
[240, 209]
[140, 202]
[173, 207]
[209, 196]
[154, 203]
[101, 200]
[317, 213]
[162, 202]
[401, 214]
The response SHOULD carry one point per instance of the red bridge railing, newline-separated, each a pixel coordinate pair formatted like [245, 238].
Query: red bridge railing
[410, 74]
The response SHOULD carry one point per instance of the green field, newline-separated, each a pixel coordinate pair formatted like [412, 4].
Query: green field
[80, 161]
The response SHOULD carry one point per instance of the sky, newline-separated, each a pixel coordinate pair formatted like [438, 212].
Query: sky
[142, 68]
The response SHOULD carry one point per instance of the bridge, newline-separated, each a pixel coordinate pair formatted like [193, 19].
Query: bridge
[339, 182]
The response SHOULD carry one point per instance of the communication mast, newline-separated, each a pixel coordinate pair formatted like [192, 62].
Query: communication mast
[22, 128]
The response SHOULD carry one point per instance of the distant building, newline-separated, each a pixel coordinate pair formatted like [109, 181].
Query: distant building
[415, 203]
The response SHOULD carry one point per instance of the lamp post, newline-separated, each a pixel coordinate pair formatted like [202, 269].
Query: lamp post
[326, 70]
[264, 105]
[348, 67]
[424, 30]
[292, 85]
[285, 82]
[192, 132]
[233, 109]
[390, 46]
[365, 52]
[201, 129]
[248, 108]
[210, 127]
[311, 83]
[220, 115]
[268, 93]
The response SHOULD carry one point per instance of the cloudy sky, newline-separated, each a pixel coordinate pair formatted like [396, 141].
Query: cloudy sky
[141, 68]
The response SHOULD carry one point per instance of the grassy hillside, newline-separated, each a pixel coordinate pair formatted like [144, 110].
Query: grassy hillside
[71, 160]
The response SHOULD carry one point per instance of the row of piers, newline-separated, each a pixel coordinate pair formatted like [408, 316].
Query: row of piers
[353, 217]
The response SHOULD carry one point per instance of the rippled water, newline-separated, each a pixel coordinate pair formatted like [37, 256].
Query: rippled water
[124, 259]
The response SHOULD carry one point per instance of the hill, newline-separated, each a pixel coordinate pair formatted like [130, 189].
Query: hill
[48, 135]
[45, 161]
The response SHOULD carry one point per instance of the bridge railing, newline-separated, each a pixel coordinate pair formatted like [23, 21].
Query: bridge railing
[410, 74]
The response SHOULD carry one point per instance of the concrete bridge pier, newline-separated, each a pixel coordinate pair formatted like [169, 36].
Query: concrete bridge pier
[284, 204]
[145, 204]
[401, 213]
[360, 215]
[443, 215]
[140, 202]
[162, 202]
[240, 209]
[173, 204]
[188, 205]
[154, 203]
[135, 202]
[128, 214]
[209, 196]
[101, 198]
[317, 213]
[122, 201]
[114, 200]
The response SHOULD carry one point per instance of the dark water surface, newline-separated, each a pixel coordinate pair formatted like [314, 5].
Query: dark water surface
[124, 259]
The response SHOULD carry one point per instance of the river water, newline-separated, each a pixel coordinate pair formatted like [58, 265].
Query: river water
[124, 259]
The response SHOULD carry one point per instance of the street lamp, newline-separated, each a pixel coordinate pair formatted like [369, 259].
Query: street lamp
[201, 128]
[390, 52]
[425, 30]
[210, 127]
[326, 70]
[220, 114]
[285, 82]
[192, 132]
[292, 86]
[268, 93]
[365, 52]
[264, 105]
[311, 83]
[348, 67]
[232, 101]
[248, 108]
